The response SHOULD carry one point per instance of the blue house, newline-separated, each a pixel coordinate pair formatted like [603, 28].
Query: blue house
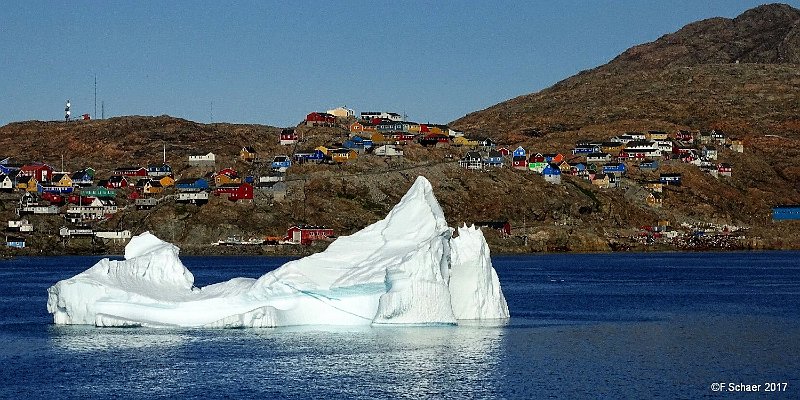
[192, 184]
[159, 170]
[614, 168]
[18, 243]
[552, 173]
[316, 156]
[494, 159]
[519, 152]
[784, 213]
[585, 149]
[54, 189]
[281, 163]
[670, 179]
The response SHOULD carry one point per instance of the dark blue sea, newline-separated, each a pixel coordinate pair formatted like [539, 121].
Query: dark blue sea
[655, 325]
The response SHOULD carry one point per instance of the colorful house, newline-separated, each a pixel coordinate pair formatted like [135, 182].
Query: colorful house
[307, 234]
[226, 176]
[315, 156]
[614, 169]
[281, 163]
[27, 183]
[98, 191]
[786, 212]
[192, 184]
[288, 136]
[463, 141]
[247, 154]
[166, 181]
[6, 183]
[40, 171]
[320, 119]
[493, 159]
[725, 169]
[62, 179]
[84, 177]
[673, 179]
[552, 174]
[654, 199]
[131, 171]
[157, 170]
[343, 155]
[236, 191]
[118, 181]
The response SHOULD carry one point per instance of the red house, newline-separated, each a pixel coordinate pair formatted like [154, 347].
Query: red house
[41, 171]
[236, 191]
[306, 234]
[131, 171]
[288, 136]
[320, 118]
[117, 181]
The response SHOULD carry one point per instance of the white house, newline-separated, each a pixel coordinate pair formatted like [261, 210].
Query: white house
[208, 159]
[342, 112]
[388, 151]
[369, 115]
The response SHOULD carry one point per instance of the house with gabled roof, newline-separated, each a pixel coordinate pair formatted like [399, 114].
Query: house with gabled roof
[654, 199]
[288, 136]
[471, 160]
[61, 179]
[247, 154]
[6, 183]
[118, 181]
[725, 169]
[191, 184]
[236, 191]
[552, 174]
[131, 171]
[493, 159]
[598, 158]
[41, 171]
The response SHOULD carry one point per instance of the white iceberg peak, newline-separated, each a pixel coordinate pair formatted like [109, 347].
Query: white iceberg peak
[404, 269]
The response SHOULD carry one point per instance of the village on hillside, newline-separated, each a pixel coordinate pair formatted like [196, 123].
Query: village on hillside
[83, 199]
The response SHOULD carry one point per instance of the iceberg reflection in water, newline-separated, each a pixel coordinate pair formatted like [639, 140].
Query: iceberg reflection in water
[300, 362]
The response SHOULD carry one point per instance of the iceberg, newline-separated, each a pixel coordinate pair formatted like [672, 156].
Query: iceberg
[406, 269]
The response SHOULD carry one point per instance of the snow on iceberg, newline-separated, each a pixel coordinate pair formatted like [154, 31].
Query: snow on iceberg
[404, 269]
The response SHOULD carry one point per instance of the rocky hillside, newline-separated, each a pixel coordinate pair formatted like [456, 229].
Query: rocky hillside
[686, 80]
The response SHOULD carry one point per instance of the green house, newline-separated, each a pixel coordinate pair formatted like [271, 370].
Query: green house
[98, 191]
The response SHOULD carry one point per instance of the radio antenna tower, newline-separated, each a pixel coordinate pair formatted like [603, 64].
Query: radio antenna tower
[95, 97]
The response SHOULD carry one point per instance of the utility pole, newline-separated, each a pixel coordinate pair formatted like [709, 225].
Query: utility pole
[102, 110]
[95, 97]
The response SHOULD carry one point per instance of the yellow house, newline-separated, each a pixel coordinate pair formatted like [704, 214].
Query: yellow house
[62, 180]
[323, 149]
[27, 183]
[601, 181]
[167, 181]
[248, 154]
[343, 155]
[612, 148]
[153, 187]
[654, 199]
[221, 179]
[378, 139]
[564, 167]
[414, 128]
[657, 135]
[462, 141]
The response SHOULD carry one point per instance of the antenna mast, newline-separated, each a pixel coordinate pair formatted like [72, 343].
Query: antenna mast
[95, 97]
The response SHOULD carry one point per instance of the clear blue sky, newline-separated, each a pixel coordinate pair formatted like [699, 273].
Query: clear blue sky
[273, 62]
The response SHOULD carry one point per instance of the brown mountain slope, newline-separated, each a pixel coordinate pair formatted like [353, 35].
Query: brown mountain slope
[741, 72]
